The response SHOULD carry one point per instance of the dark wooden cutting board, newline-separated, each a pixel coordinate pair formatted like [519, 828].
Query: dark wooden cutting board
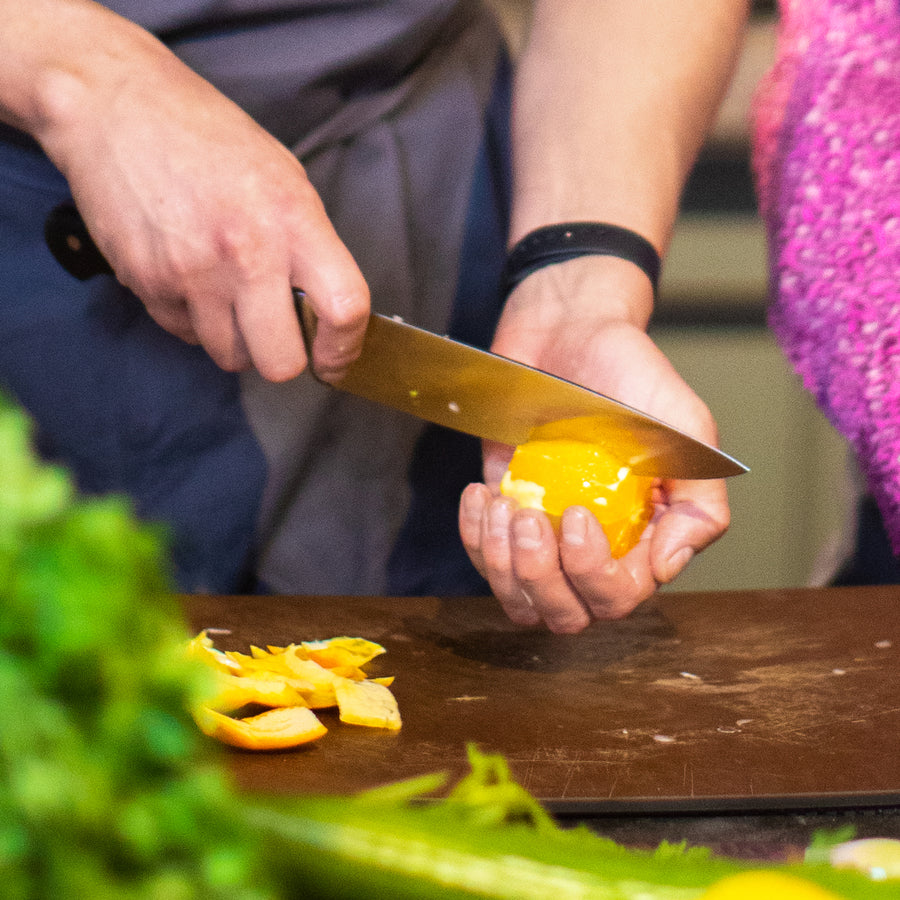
[729, 701]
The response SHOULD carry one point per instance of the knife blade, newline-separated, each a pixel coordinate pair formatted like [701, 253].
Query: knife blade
[462, 387]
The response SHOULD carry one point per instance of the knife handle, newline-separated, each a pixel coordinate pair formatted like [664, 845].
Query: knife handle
[72, 246]
[71, 243]
[306, 315]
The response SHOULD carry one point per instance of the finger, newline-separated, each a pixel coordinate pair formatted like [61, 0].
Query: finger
[536, 563]
[340, 333]
[174, 317]
[339, 295]
[611, 588]
[696, 514]
[496, 461]
[472, 508]
[498, 568]
[267, 323]
[215, 324]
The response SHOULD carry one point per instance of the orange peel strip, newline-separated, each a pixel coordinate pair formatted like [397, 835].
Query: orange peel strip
[275, 729]
[367, 703]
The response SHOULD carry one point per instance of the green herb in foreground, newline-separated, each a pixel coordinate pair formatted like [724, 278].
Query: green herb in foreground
[105, 787]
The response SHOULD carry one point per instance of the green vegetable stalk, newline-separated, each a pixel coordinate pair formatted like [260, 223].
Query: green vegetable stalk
[488, 839]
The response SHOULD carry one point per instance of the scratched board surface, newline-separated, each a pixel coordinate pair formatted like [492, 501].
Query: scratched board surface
[738, 700]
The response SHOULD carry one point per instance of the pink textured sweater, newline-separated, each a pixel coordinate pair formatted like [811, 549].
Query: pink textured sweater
[827, 162]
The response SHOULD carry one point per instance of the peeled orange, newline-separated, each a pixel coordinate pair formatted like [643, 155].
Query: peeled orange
[553, 473]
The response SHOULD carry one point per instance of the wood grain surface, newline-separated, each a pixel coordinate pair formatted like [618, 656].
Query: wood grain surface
[759, 700]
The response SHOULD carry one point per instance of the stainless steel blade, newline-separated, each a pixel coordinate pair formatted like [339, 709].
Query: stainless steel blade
[494, 398]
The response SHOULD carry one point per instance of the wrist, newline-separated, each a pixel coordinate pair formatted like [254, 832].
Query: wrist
[591, 289]
[606, 270]
[71, 60]
[553, 244]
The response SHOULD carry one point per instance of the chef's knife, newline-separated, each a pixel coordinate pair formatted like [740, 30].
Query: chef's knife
[453, 384]
[461, 387]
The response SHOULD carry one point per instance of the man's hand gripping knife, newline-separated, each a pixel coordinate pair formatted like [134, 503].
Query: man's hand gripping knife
[206, 217]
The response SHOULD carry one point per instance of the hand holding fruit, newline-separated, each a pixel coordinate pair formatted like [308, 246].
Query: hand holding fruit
[568, 575]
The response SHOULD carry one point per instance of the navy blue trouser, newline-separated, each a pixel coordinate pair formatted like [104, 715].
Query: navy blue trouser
[124, 405]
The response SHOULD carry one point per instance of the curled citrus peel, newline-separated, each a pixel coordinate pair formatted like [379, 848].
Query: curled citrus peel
[290, 682]
[275, 729]
[367, 703]
[556, 469]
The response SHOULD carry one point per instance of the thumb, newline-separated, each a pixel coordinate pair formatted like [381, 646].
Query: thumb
[697, 515]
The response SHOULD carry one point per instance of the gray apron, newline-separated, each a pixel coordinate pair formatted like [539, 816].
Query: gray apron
[383, 103]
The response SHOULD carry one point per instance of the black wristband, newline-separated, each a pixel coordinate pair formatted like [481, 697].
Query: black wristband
[558, 243]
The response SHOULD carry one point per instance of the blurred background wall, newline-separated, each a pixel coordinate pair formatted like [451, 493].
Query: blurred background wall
[792, 514]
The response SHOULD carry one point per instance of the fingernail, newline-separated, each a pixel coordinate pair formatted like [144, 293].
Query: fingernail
[498, 520]
[574, 527]
[526, 533]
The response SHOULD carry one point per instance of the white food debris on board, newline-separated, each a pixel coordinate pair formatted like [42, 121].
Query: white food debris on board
[453, 406]
[742, 722]
[663, 739]
[690, 676]
[884, 645]
[217, 630]
[397, 318]
[728, 729]
[838, 671]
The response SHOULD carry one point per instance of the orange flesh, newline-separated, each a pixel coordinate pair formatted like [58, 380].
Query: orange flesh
[555, 474]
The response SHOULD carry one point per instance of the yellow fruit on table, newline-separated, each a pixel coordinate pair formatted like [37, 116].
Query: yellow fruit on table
[235, 691]
[553, 473]
[766, 885]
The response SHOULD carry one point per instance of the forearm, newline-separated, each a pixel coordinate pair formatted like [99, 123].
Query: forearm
[612, 102]
[68, 64]
[50, 48]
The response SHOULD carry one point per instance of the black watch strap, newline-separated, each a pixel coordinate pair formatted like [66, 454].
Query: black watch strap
[558, 243]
